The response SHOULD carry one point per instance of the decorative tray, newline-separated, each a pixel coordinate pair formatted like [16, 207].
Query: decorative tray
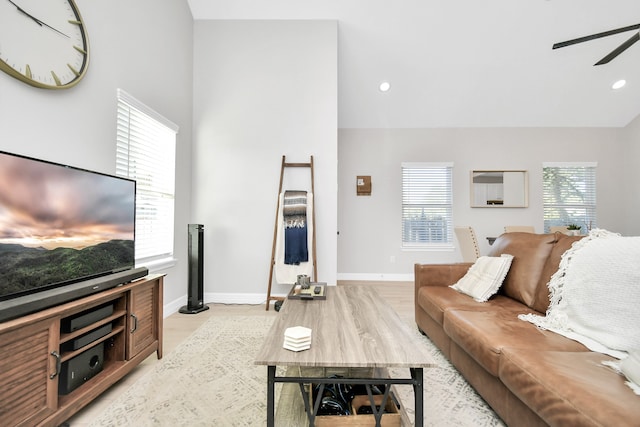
[310, 293]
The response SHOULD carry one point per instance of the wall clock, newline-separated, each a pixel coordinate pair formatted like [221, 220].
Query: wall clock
[43, 42]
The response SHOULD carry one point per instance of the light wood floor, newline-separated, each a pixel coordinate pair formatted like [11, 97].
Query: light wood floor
[177, 327]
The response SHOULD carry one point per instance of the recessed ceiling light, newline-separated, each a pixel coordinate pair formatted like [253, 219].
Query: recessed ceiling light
[619, 84]
[384, 86]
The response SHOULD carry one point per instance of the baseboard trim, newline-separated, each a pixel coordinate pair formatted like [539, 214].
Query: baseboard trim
[217, 298]
[376, 277]
[174, 306]
[234, 298]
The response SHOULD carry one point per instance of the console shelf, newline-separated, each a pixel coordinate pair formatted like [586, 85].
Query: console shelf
[64, 337]
[33, 349]
[66, 355]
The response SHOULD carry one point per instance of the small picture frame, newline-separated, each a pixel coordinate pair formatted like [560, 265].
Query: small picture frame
[363, 185]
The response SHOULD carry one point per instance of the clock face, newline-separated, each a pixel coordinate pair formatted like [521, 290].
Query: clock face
[43, 42]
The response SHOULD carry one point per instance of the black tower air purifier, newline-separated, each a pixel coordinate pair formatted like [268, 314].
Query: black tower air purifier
[195, 283]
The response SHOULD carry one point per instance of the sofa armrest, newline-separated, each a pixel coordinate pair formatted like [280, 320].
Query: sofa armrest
[439, 274]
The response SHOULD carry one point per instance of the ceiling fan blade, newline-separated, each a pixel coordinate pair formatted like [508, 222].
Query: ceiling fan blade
[595, 36]
[617, 51]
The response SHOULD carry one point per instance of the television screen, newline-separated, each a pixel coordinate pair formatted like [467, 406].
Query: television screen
[61, 225]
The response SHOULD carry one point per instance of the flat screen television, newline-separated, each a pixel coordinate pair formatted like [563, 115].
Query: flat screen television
[65, 232]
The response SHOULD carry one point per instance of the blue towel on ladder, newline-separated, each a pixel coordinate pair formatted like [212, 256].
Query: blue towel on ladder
[295, 245]
[294, 212]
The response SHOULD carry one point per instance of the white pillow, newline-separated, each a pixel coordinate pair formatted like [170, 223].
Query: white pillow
[485, 277]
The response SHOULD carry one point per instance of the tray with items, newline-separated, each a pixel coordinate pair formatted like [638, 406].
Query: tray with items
[310, 291]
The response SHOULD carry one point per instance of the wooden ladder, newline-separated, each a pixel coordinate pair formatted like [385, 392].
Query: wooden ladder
[285, 165]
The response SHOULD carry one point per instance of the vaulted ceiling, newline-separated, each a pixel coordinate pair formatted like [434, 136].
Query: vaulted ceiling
[469, 63]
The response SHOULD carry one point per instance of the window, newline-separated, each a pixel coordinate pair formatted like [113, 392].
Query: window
[427, 205]
[145, 152]
[569, 194]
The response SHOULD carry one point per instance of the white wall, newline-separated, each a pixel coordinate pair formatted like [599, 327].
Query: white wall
[262, 89]
[370, 225]
[630, 191]
[77, 126]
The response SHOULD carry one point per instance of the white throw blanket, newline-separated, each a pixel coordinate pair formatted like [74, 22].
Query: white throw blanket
[595, 294]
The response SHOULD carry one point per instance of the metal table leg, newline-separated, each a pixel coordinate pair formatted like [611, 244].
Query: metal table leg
[271, 391]
[418, 391]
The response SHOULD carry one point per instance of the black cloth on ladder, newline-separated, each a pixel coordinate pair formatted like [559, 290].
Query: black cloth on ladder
[294, 213]
[295, 245]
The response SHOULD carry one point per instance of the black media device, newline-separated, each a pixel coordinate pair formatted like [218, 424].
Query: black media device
[76, 371]
[85, 318]
[195, 279]
[65, 233]
[87, 338]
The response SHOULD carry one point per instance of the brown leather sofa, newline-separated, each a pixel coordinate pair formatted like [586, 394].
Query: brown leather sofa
[530, 377]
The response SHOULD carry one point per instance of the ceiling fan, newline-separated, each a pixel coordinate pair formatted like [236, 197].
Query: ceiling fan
[617, 51]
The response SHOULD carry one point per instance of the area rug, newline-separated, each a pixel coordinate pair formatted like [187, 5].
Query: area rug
[210, 380]
[449, 400]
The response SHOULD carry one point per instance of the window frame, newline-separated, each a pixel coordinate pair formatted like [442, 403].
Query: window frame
[588, 202]
[139, 131]
[440, 202]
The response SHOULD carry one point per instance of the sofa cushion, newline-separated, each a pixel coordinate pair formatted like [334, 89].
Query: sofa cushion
[530, 252]
[484, 334]
[485, 277]
[435, 300]
[561, 245]
[569, 388]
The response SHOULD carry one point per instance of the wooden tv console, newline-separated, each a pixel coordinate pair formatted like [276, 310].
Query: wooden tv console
[33, 351]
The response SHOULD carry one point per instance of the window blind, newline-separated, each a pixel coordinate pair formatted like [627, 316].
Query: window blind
[569, 194]
[145, 152]
[427, 204]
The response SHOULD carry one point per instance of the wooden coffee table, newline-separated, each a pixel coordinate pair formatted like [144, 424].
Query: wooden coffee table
[352, 328]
